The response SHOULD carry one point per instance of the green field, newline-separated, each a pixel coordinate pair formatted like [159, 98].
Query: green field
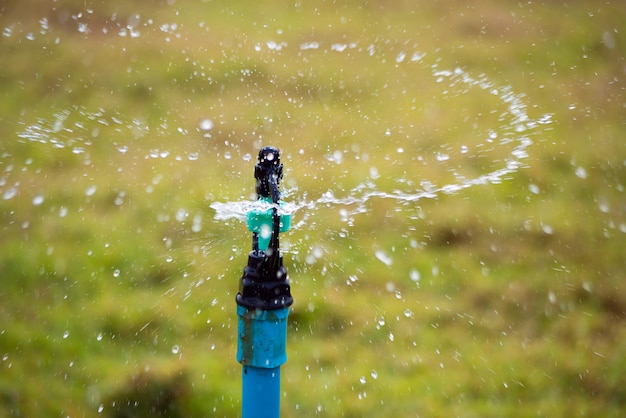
[458, 170]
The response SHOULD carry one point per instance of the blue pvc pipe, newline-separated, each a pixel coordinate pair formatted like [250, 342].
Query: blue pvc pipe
[261, 350]
[261, 392]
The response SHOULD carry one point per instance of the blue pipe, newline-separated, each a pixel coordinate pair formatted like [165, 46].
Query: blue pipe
[261, 350]
[261, 392]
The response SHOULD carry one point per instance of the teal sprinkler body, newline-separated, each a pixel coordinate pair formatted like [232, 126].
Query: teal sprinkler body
[264, 297]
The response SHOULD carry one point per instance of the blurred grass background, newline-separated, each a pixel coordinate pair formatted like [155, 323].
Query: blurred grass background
[118, 287]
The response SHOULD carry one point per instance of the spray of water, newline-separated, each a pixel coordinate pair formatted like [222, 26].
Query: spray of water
[516, 130]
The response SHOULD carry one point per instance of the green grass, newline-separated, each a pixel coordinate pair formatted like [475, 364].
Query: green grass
[118, 287]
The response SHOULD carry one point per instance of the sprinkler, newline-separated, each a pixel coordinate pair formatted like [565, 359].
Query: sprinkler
[264, 295]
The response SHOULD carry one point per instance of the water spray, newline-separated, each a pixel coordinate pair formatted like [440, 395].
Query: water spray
[264, 296]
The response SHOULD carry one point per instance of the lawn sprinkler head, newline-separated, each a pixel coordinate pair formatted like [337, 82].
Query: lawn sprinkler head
[264, 284]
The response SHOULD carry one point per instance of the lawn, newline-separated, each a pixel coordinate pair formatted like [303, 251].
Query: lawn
[456, 172]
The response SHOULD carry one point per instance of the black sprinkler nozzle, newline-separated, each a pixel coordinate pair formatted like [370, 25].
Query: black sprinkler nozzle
[264, 284]
[268, 173]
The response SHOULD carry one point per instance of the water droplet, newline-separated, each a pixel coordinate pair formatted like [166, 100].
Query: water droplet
[100, 408]
[38, 200]
[116, 273]
[545, 119]
[547, 229]
[552, 297]
[417, 56]
[91, 190]
[351, 280]
[604, 207]
[384, 257]
[362, 380]
[581, 172]
[274, 46]
[464, 149]
[374, 374]
[534, 189]
[66, 334]
[181, 214]
[9, 193]
[265, 232]
[175, 349]
[99, 337]
[119, 199]
[442, 157]
[197, 223]
[415, 275]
